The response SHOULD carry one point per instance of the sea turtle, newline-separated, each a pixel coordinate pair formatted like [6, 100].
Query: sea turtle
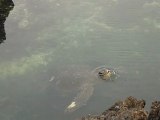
[80, 80]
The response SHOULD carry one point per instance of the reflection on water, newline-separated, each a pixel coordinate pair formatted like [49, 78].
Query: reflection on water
[43, 37]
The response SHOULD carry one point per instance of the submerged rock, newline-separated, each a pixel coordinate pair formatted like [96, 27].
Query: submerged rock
[129, 109]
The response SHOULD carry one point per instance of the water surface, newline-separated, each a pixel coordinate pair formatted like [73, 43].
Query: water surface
[42, 37]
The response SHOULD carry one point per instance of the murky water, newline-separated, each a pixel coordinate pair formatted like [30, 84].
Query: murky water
[44, 37]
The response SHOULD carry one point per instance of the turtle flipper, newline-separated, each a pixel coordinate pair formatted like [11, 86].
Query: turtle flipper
[82, 97]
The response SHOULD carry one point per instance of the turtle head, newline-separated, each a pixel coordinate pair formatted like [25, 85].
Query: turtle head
[105, 74]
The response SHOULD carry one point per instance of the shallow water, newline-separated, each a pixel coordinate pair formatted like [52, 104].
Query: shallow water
[43, 37]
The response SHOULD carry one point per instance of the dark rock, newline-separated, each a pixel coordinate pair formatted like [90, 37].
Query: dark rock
[129, 109]
[5, 7]
[155, 111]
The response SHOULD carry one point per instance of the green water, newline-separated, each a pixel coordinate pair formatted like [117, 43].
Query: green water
[42, 37]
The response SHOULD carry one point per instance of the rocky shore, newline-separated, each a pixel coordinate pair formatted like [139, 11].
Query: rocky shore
[129, 109]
